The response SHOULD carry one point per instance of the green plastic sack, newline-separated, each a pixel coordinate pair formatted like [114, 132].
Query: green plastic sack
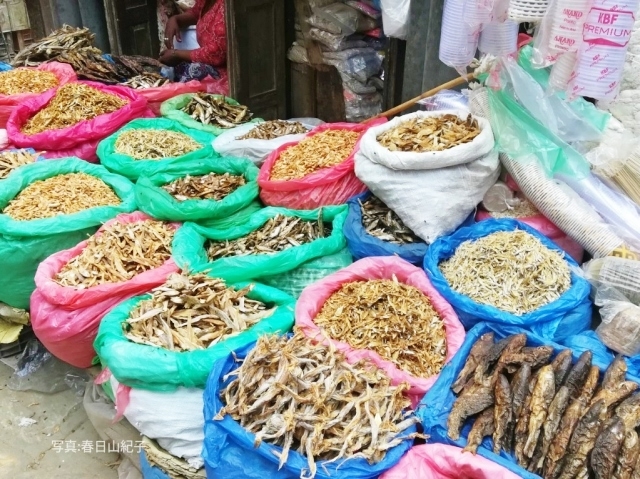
[189, 252]
[24, 244]
[239, 217]
[171, 109]
[133, 169]
[157, 369]
[155, 201]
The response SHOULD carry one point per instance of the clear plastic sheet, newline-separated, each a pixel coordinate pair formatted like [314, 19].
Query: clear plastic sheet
[445, 100]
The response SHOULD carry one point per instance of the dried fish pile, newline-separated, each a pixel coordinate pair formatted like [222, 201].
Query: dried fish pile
[524, 209]
[118, 253]
[395, 320]
[62, 40]
[433, 133]
[72, 103]
[60, 195]
[274, 129]
[382, 222]
[10, 160]
[154, 144]
[511, 270]
[146, 80]
[193, 312]
[307, 398]
[205, 187]
[25, 80]
[90, 64]
[326, 149]
[555, 416]
[278, 234]
[211, 109]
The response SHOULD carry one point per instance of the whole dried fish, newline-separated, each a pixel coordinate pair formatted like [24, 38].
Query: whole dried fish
[614, 394]
[412, 335]
[61, 40]
[155, 144]
[561, 365]
[211, 109]
[503, 414]
[550, 426]
[146, 80]
[628, 456]
[541, 398]
[510, 270]
[270, 130]
[534, 356]
[26, 80]
[482, 427]
[605, 451]
[10, 160]
[520, 387]
[522, 423]
[629, 411]
[509, 344]
[579, 373]
[615, 373]
[477, 355]
[60, 195]
[477, 397]
[380, 221]
[212, 186]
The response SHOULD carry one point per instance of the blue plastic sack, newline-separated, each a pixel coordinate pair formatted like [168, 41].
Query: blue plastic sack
[436, 405]
[568, 315]
[229, 452]
[5, 67]
[151, 472]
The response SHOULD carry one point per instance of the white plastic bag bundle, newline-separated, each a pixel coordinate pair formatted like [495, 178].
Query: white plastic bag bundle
[432, 192]
[395, 18]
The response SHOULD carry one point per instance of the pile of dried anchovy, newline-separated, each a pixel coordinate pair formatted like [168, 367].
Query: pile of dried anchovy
[72, 103]
[511, 270]
[62, 40]
[383, 223]
[211, 109]
[393, 319]
[278, 234]
[26, 80]
[434, 133]
[306, 397]
[557, 416]
[323, 150]
[60, 195]
[146, 80]
[524, 209]
[118, 253]
[10, 160]
[274, 129]
[154, 144]
[205, 187]
[193, 312]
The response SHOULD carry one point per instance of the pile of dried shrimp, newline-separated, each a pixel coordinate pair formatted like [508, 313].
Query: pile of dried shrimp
[154, 144]
[26, 80]
[212, 186]
[382, 222]
[10, 160]
[274, 129]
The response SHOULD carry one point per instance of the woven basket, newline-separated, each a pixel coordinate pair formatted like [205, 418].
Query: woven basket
[527, 10]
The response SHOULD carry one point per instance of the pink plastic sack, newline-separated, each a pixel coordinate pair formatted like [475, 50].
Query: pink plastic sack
[440, 461]
[63, 71]
[378, 267]
[328, 186]
[82, 132]
[66, 319]
[155, 96]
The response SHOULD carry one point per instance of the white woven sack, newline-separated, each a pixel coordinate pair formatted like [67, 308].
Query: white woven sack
[432, 192]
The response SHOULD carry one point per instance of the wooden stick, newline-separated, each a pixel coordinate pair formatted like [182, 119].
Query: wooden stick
[408, 104]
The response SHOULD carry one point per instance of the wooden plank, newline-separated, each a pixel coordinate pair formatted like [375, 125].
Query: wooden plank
[329, 96]
[303, 91]
[112, 29]
[393, 73]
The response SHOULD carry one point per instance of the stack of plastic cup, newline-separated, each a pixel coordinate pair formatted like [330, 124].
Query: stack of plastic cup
[562, 71]
[566, 29]
[499, 39]
[458, 41]
[527, 10]
[477, 13]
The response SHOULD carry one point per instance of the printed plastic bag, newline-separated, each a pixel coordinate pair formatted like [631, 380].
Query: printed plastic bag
[314, 296]
[157, 95]
[133, 169]
[328, 186]
[155, 201]
[157, 369]
[62, 71]
[229, 450]
[441, 461]
[66, 319]
[190, 254]
[569, 314]
[24, 244]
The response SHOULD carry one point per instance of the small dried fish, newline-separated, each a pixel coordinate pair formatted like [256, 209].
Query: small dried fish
[503, 414]
[60, 195]
[382, 222]
[606, 449]
[323, 150]
[274, 129]
[477, 354]
[211, 109]
[434, 133]
[212, 186]
[26, 80]
[155, 144]
[146, 80]
[61, 40]
[541, 398]
[482, 427]
[10, 160]
[524, 209]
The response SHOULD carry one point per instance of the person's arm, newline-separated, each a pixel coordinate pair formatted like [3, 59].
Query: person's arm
[181, 21]
[172, 56]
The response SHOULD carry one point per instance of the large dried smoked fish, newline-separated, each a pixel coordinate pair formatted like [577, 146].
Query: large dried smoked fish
[473, 399]
[629, 411]
[541, 398]
[607, 448]
[615, 393]
[482, 427]
[628, 456]
[578, 373]
[503, 414]
[561, 365]
[615, 373]
[505, 346]
[211, 109]
[536, 357]
[550, 426]
[478, 353]
[522, 423]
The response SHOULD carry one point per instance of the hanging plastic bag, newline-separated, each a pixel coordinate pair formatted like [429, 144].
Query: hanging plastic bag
[66, 319]
[132, 168]
[395, 18]
[569, 314]
[24, 244]
[314, 296]
[157, 95]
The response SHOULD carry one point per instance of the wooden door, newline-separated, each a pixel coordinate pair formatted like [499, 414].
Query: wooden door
[137, 27]
[257, 55]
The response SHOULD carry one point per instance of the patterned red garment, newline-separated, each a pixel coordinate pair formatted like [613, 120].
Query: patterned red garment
[212, 34]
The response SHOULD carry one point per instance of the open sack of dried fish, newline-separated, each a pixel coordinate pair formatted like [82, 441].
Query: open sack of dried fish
[15, 158]
[384, 310]
[535, 407]
[505, 272]
[145, 146]
[214, 114]
[75, 288]
[288, 408]
[183, 326]
[431, 168]
[71, 120]
[61, 40]
[267, 244]
[53, 205]
[198, 190]
[316, 171]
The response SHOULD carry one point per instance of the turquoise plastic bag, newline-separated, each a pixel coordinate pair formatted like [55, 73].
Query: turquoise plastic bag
[157, 202]
[24, 244]
[133, 169]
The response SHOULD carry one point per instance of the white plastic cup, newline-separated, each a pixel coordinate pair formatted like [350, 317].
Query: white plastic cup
[499, 39]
